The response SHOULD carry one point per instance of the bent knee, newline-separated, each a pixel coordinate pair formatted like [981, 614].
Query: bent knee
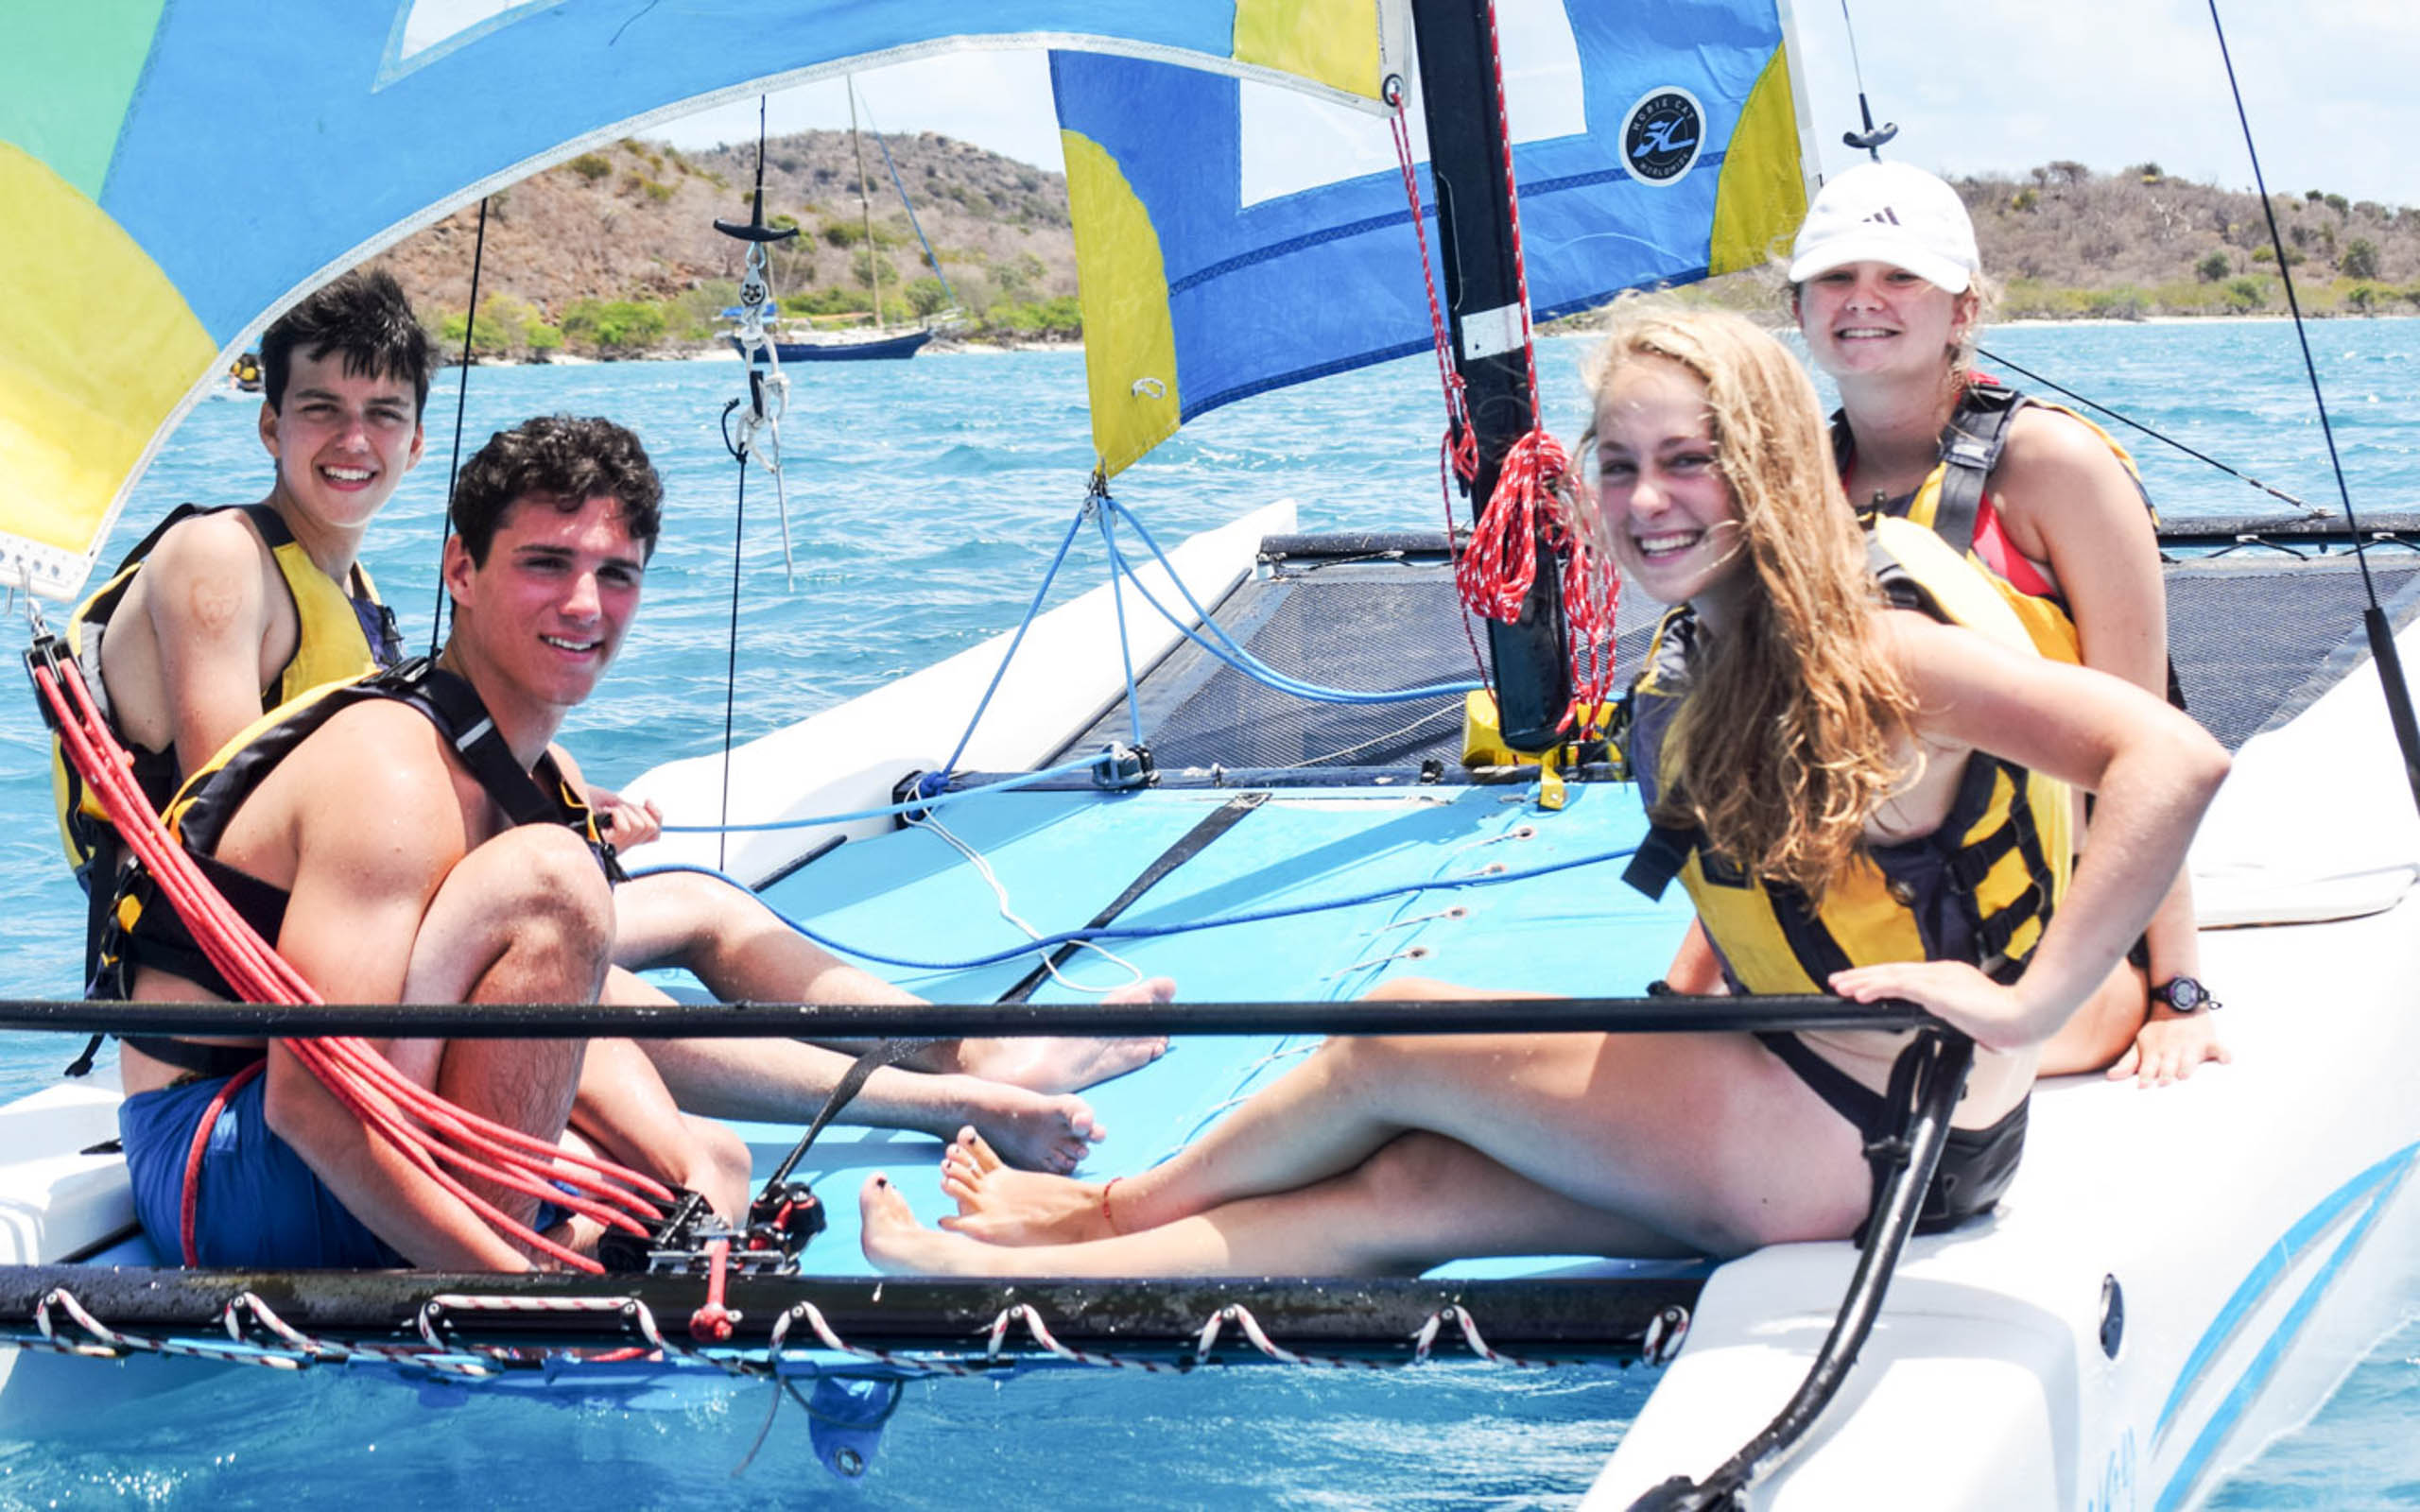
[535, 898]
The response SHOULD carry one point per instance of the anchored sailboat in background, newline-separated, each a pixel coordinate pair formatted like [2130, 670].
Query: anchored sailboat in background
[2095, 1345]
[879, 344]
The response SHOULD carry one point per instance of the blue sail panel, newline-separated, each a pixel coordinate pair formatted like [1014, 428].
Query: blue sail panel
[1684, 160]
[172, 172]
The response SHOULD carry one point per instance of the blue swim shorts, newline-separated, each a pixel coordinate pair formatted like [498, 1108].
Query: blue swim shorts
[260, 1204]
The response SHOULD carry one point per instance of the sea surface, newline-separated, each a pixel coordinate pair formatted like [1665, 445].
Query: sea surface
[925, 500]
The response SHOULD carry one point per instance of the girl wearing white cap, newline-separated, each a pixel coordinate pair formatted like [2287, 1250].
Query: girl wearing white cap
[1888, 291]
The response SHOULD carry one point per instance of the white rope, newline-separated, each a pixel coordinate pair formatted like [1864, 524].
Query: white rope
[1000, 897]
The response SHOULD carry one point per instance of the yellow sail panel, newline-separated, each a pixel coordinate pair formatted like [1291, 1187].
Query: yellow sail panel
[1761, 196]
[96, 348]
[1331, 41]
[1130, 340]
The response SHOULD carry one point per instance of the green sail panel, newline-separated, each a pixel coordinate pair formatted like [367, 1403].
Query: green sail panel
[175, 172]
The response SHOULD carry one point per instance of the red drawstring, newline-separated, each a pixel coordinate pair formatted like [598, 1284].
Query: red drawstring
[414, 1120]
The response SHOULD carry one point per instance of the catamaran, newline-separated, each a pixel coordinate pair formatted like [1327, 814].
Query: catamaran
[1254, 762]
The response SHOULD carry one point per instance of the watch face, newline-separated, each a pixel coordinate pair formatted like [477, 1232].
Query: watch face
[2183, 994]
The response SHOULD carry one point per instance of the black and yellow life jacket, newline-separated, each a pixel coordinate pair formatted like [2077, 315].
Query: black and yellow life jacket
[1949, 502]
[1980, 888]
[340, 634]
[143, 930]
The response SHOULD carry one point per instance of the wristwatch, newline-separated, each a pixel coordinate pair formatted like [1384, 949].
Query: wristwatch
[2182, 994]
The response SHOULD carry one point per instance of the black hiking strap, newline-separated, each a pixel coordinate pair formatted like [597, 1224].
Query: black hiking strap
[1970, 447]
[1192, 843]
[1936, 1065]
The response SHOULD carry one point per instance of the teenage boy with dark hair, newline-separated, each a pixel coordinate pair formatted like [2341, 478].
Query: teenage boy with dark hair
[392, 838]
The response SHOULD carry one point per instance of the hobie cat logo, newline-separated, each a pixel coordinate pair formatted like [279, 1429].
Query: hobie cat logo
[1661, 136]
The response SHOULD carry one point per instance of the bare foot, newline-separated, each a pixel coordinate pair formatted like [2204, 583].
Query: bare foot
[1066, 1064]
[1037, 1131]
[1000, 1205]
[899, 1246]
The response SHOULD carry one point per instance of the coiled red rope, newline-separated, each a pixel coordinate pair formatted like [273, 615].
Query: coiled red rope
[426, 1130]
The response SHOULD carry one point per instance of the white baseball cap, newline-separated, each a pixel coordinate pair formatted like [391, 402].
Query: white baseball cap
[1889, 212]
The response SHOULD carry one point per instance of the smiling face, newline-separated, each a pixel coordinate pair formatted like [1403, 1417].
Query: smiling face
[1874, 319]
[1664, 508]
[343, 440]
[539, 621]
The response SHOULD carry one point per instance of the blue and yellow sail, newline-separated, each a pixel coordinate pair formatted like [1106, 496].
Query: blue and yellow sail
[1214, 266]
[175, 172]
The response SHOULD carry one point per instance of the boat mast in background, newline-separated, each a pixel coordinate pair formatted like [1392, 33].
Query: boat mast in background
[865, 202]
[1468, 159]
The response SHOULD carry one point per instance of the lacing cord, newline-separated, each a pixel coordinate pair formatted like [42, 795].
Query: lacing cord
[1493, 875]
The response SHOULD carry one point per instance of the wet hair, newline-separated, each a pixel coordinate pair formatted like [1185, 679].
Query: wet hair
[564, 460]
[363, 314]
[1795, 727]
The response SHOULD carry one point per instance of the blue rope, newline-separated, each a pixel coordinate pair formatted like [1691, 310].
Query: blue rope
[1234, 654]
[923, 804]
[1125, 643]
[1033, 612]
[1257, 916]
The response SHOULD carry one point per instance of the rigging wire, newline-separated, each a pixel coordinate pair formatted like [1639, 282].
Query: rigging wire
[2381, 634]
[2314, 511]
[909, 205]
[462, 402]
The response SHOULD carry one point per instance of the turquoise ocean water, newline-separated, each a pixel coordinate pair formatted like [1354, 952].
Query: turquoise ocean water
[925, 499]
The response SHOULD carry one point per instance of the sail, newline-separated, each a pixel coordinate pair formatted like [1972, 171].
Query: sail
[174, 172]
[1230, 242]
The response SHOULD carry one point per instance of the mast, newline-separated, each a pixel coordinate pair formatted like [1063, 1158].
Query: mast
[865, 203]
[1467, 145]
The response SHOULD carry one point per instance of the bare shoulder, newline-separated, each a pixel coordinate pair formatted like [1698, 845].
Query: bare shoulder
[378, 758]
[223, 542]
[2049, 448]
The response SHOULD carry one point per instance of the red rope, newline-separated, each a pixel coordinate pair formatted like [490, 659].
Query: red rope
[386, 1102]
[189, 1205]
[1534, 501]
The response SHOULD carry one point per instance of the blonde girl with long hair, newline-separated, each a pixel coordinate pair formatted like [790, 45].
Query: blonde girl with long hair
[1389, 1155]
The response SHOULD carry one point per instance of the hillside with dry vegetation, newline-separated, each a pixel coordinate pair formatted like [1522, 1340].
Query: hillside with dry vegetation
[614, 253]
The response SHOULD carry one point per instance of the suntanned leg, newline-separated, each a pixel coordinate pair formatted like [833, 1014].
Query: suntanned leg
[1706, 1137]
[626, 1112]
[2103, 1029]
[524, 918]
[731, 941]
[1419, 1201]
[783, 1081]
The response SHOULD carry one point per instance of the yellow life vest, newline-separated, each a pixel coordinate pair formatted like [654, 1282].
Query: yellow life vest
[1980, 888]
[340, 636]
[1950, 500]
[142, 928]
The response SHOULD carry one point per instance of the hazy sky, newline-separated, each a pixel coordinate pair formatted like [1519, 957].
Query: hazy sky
[1976, 86]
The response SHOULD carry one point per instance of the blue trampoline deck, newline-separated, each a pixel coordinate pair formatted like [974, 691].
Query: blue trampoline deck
[1561, 921]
